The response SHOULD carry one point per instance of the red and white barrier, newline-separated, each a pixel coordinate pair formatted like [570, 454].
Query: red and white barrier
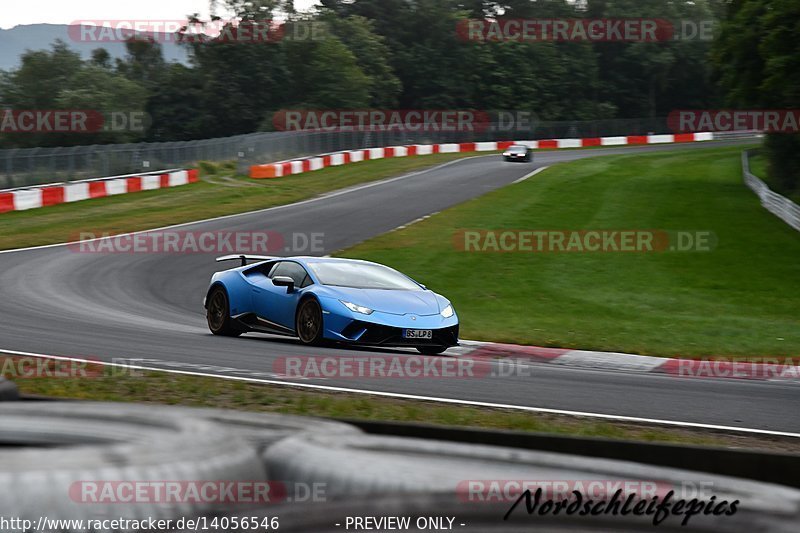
[299, 166]
[62, 193]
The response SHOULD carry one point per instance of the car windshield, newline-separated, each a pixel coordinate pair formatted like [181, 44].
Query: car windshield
[362, 276]
[518, 149]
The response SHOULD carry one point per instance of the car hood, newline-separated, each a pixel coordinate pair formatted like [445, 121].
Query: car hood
[393, 302]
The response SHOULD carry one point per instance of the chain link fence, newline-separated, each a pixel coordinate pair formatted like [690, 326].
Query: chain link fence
[36, 166]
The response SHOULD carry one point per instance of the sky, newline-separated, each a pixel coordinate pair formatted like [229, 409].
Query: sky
[17, 12]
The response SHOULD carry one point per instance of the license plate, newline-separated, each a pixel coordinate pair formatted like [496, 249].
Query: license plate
[418, 334]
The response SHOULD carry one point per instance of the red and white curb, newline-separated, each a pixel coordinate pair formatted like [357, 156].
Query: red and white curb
[623, 362]
[309, 164]
[61, 193]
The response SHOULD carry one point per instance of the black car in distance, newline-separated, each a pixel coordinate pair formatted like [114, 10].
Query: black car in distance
[518, 152]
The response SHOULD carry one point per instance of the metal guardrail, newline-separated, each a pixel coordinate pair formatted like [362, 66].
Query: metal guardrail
[778, 205]
[25, 167]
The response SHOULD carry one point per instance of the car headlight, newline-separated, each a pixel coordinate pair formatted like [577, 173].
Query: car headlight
[447, 312]
[506, 154]
[357, 308]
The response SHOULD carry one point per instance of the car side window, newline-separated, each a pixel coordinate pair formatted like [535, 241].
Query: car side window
[292, 270]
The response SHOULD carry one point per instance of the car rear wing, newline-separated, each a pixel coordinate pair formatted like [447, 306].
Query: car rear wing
[244, 258]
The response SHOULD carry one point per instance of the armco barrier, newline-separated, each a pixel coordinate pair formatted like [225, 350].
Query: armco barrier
[299, 166]
[778, 205]
[75, 191]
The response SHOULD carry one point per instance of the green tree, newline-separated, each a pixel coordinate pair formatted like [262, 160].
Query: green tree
[757, 57]
[372, 57]
[101, 58]
[652, 79]
[35, 84]
[57, 79]
[119, 100]
[235, 83]
[328, 76]
[144, 61]
[177, 107]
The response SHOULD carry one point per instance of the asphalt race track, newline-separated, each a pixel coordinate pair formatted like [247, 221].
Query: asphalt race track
[59, 302]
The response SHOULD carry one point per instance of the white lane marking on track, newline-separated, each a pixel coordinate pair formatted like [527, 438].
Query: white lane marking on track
[532, 174]
[273, 208]
[426, 217]
[420, 219]
[454, 401]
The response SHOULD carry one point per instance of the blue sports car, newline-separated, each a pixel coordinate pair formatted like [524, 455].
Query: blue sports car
[324, 299]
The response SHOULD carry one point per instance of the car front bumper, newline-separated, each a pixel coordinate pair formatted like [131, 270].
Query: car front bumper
[384, 329]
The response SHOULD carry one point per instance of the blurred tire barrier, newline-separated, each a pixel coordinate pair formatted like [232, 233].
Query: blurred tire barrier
[52, 451]
[360, 468]
[8, 390]
[265, 429]
[770, 467]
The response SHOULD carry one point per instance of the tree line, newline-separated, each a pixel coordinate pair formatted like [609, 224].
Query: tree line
[408, 54]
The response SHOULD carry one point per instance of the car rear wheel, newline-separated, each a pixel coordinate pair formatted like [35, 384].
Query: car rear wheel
[309, 322]
[218, 315]
[431, 350]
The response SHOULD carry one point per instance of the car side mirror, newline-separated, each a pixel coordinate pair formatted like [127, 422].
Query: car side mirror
[284, 281]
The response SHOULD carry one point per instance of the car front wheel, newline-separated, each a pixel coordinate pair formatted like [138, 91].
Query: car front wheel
[309, 322]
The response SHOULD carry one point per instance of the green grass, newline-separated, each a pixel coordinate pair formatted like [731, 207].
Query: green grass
[212, 197]
[741, 299]
[161, 388]
[758, 166]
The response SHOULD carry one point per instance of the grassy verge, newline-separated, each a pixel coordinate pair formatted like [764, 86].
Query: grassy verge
[219, 193]
[161, 388]
[741, 299]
